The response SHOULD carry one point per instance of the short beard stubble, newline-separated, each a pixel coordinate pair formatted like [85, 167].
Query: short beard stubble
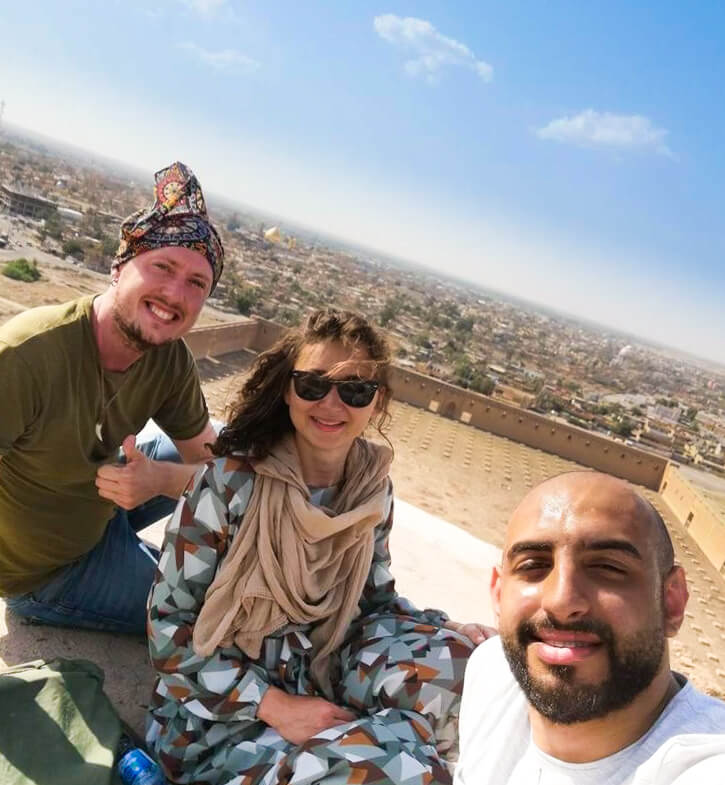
[131, 332]
[633, 663]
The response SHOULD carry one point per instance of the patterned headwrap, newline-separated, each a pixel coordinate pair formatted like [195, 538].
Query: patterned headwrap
[177, 217]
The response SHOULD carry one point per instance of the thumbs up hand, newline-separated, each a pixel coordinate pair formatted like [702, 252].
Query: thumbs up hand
[129, 450]
[129, 484]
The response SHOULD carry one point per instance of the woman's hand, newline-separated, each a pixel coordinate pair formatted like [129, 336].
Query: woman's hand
[476, 633]
[298, 718]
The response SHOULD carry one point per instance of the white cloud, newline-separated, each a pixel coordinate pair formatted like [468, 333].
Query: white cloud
[223, 60]
[604, 129]
[204, 7]
[432, 51]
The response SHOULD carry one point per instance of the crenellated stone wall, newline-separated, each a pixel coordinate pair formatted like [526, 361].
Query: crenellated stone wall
[529, 428]
[218, 339]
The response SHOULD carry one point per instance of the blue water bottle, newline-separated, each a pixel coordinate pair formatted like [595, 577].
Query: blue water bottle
[136, 768]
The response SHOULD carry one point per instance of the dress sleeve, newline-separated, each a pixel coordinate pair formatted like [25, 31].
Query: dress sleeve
[225, 686]
[379, 594]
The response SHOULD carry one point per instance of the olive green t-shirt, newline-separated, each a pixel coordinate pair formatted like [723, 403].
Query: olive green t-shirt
[52, 393]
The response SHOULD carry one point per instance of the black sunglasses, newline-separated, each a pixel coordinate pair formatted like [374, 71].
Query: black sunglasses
[354, 392]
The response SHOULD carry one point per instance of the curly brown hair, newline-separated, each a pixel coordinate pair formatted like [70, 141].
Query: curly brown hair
[259, 417]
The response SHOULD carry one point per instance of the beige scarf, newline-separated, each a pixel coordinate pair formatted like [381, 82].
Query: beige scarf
[293, 562]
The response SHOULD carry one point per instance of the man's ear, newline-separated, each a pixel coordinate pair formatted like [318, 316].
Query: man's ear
[674, 600]
[496, 593]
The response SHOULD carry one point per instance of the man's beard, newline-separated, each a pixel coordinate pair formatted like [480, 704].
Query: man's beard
[633, 664]
[132, 332]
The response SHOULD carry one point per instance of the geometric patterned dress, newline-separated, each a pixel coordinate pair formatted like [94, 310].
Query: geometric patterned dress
[398, 670]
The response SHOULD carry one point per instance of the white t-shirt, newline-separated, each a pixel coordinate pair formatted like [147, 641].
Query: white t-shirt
[686, 746]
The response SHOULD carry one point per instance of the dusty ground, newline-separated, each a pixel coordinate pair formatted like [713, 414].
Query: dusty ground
[468, 477]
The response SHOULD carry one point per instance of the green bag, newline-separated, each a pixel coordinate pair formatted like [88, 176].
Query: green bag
[57, 726]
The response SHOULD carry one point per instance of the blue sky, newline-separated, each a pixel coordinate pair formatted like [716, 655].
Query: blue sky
[569, 153]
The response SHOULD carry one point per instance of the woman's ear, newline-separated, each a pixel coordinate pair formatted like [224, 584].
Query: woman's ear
[379, 398]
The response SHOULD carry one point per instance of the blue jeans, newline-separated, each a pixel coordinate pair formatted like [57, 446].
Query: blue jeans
[107, 588]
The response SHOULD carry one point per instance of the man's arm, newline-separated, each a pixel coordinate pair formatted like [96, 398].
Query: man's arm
[196, 449]
[142, 478]
[174, 477]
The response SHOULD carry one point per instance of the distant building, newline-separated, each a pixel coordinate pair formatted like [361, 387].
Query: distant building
[622, 354]
[73, 216]
[14, 199]
[667, 416]
[655, 436]
[110, 219]
[273, 235]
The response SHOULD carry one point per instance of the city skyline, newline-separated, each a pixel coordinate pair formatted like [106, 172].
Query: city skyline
[558, 157]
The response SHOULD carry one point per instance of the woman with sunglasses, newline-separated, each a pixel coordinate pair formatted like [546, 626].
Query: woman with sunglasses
[282, 650]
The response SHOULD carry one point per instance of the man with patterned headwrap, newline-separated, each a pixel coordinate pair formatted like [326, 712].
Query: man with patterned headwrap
[79, 381]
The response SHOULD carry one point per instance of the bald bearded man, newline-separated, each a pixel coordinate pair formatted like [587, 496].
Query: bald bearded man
[578, 689]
